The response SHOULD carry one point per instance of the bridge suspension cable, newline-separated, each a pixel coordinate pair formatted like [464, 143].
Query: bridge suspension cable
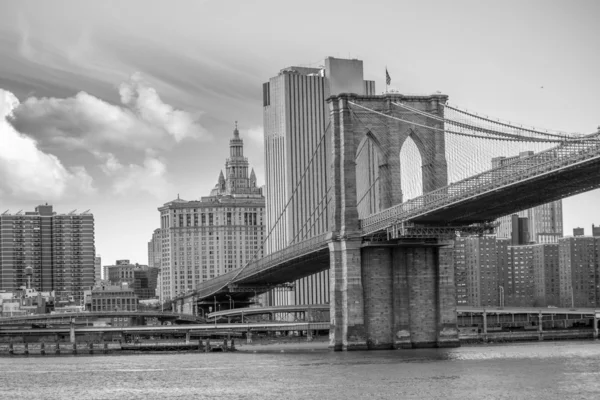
[466, 126]
[280, 216]
[472, 145]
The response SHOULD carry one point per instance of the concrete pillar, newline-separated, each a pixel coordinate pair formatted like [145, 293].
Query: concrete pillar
[347, 330]
[187, 337]
[72, 333]
[595, 326]
[540, 326]
[484, 315]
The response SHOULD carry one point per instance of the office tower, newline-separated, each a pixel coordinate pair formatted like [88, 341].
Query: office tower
[206, 238]
[58, 247]
[595, 231]
[97, 270]
[296, 118]
[579, 259]
[544, 222]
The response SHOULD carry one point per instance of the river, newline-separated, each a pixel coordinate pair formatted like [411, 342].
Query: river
[547, 370]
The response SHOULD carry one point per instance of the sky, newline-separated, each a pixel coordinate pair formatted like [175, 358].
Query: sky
[120, 106]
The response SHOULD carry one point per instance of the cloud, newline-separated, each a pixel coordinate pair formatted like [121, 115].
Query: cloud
[87, 122]
[255, 135]
[26, 172]
[130, 179]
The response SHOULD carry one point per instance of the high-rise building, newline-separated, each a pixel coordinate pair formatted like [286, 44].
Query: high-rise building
[154, 249]
[546, 276]
[595, 231]
[476, 271]
[97, 270]
[519, 288]
[58, 247]
[203, 239]
[579, 264]
[296, 118]
[544, 222]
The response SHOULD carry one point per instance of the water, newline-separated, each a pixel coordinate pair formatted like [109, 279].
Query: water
[559, 370]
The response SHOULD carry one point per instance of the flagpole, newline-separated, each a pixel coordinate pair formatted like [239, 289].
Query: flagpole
[386, 84]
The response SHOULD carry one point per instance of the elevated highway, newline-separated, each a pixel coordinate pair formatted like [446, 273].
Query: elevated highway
[88, 317]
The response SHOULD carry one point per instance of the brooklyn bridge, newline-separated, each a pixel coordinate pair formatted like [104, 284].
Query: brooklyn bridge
[387, 242]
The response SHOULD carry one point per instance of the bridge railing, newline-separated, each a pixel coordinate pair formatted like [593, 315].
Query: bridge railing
[210, 287]
[552, 159]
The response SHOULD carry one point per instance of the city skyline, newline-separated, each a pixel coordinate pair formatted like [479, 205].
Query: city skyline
[174, 144]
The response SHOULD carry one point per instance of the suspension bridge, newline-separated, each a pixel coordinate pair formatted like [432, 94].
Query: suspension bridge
[405, 175]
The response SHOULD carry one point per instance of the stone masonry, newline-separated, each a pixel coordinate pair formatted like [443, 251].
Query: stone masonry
[389, 294]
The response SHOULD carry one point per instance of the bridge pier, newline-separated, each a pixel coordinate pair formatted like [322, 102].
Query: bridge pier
[347, 303]
[391, 296]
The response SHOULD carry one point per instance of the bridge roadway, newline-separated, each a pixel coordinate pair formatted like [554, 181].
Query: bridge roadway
[559, 172]
[67, 317]
[195, 328]
[238, 312]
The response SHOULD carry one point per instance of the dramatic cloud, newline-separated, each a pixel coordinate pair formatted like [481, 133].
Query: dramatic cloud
[130, 179]
[26, 172]
[87, 122]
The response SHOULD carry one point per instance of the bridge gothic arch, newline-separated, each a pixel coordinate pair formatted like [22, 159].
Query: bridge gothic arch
[368, 277]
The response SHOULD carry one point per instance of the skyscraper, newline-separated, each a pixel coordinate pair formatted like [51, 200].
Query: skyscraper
[97, 270]
[476, 271]
[205, 238]
[544, 222]
[296, 119]
[58, 247]
[579, 271]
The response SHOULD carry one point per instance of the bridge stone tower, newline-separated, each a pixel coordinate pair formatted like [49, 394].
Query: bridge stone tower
[386, 294]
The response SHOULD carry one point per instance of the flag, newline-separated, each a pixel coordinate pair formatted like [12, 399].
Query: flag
[388, 79]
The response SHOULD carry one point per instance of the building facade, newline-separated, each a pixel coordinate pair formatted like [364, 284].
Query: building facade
[491, 272]
[97, 270]
[476, 271]
[58, 247]
[579, 271]
[296, 119]
[141, 278]
[200, 240]
[113, 298]
[546, 275]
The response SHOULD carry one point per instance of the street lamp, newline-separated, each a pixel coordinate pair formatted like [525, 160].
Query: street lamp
[230, 302]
